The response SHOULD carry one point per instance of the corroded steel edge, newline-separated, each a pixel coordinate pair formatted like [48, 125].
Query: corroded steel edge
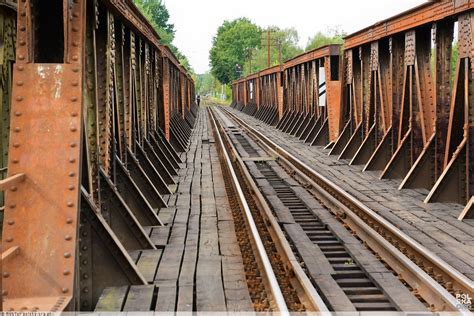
[426, 13]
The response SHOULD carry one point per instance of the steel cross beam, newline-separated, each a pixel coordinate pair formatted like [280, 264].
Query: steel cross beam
[88, 147]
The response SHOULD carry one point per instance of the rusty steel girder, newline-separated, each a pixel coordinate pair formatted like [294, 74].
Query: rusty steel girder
[403, 111]
[239, 93]
[7, 53]
[293, 91]
[270, 95]
[179, 106]
[41, 213]
[312, 94]
[87, 142]
[403, 114]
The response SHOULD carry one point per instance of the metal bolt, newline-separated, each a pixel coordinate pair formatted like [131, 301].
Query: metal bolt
[74, 99]
[20, 67]
[4, 292]
[66, 272]
[71, 187]
[64, 290]
[17, 113]
[9, 239]
[15, 161]
[72, 174]
[21, 57]
[70, 204]
[6, 274]
[11, 222]
[16, 145]
[74, 114]
[75, 83]
[72, 160]
[13, 189]
[75, 57]
[19, 83]
[12, 205]
[69, 220]
[73, 145]
[67, 255]
[73, 129]
[67, 237]
[17, 129]
[85, 276]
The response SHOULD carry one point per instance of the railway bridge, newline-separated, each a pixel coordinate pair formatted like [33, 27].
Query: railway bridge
[339, 181]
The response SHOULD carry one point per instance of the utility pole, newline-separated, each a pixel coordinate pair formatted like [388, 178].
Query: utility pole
[249, 56]
[270, 42]
[268, 47]
[279, 51]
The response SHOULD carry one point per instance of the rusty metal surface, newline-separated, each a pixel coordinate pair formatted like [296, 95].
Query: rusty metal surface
[7, 54]
[396, 110]
[316, 53]
[41, 213]
[76, 119]
[429, 12]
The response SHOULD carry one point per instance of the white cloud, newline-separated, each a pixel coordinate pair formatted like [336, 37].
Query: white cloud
[196, 22]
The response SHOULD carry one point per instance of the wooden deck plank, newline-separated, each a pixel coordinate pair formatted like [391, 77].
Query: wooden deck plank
[170, 264]
[159, 236]
[148, 263]
[139, 298]
[185, 298]
[112, 299]
[166, 299]
[209, 288]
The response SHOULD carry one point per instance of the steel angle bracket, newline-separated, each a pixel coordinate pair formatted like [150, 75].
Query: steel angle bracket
[104, 261]
[160, 154]
[134, 198]
[160, 139]
[155, 164]
[121, 219]
[147, 186]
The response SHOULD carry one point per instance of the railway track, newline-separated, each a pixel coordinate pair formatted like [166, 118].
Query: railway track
[282, 276]
[430, 280]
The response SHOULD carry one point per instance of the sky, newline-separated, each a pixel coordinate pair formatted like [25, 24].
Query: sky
[196, 21]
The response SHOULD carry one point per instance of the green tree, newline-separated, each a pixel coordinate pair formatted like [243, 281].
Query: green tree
[231, 46]
[157, 14]
[286, 39]
[331, 36]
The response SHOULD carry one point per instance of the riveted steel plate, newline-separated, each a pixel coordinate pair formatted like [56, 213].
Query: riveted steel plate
[41, 213]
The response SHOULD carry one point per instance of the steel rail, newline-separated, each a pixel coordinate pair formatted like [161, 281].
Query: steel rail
[359, 216]
[310, 295]
[261, 253]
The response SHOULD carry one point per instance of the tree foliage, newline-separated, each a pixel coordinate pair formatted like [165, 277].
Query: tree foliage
[157, 14]
[208, 86]
[231, 46]
[286, 39]
[331, 36]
